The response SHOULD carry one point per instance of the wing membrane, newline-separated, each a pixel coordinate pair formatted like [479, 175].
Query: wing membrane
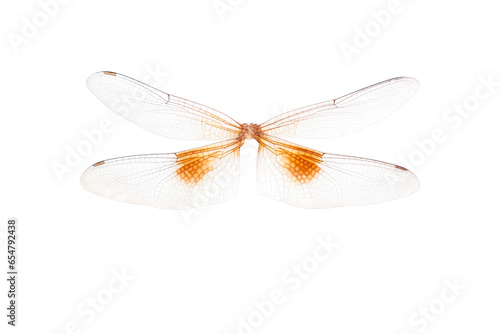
[192, 178]
[311, 179]
[346, 114]
[158, 112]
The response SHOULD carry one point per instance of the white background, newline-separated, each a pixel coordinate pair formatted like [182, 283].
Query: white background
[198, 272]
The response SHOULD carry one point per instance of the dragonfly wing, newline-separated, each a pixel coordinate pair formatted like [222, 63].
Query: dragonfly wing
[346, 114]
[312, 179]
[192, 178]
[158, 112]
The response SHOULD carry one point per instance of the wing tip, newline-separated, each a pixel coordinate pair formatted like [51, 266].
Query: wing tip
[415, 82]
[412, 180]
[85, 174]
[97, 74]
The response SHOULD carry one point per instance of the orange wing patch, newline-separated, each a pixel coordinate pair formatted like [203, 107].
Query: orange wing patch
[301, 167]
[195, 164]
[300, 164]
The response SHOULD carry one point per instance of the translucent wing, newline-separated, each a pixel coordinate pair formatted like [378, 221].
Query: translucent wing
[345, 114]
[206, 175]
[310, 179]
[158, 112]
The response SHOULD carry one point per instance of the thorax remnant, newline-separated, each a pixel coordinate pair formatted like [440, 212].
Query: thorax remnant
[250, 131]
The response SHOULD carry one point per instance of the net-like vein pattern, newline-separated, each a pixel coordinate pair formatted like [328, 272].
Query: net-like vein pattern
[343, 115]
[183, 180]
[338, 180]
[158, 112]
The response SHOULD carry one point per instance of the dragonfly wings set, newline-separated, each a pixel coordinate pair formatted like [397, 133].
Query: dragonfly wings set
[285, 171]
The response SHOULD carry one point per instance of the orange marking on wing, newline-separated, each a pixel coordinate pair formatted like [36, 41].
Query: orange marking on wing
[300, 164]
[98, 164]
[195, 164]
[109, 73]
[302, 167]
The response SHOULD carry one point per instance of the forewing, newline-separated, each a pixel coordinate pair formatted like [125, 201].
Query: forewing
[158, 112]
[192, 178]
[312, 179]
[343, 115]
